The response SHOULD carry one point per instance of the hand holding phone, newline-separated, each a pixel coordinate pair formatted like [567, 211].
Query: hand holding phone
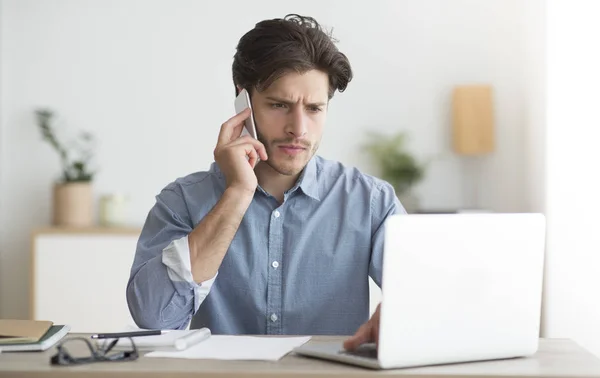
[236, 154]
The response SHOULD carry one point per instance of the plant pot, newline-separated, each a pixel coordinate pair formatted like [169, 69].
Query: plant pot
[73, 204]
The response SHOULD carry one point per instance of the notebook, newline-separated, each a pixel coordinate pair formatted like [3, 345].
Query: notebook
[22, 331]
[49, 339]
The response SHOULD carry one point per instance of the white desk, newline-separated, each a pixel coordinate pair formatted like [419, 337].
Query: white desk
[556, 358]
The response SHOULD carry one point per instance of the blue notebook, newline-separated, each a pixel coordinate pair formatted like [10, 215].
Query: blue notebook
[50, 338]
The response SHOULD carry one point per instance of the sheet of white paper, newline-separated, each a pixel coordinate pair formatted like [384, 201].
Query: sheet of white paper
[224, 347]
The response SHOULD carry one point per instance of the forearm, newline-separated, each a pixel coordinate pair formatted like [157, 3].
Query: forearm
[211, 238]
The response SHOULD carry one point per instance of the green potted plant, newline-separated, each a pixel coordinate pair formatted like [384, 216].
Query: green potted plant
[72, 192]
[396, 165]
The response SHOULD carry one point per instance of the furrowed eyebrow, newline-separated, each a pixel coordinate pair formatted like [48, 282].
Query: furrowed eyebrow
[287, 102]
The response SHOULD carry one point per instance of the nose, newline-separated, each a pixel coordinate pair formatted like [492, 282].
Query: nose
[297, 123]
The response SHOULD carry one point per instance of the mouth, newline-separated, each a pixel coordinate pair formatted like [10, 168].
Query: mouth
[291, 149]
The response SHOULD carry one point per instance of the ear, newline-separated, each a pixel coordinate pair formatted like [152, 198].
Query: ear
[239, 89]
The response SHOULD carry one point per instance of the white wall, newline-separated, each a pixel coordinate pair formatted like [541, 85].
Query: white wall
[535, 115]
[152, 80]
[535, 110]
[573, 270]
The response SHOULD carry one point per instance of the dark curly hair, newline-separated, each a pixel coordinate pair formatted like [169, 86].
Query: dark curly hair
[292, 44]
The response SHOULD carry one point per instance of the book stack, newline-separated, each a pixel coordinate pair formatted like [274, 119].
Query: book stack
[18, 335]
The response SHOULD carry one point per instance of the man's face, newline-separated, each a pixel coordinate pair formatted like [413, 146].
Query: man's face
[290, 116]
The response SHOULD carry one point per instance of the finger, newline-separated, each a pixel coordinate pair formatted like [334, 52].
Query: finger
[362, 335]
[247, 148]
[262, 151]
[258, 146]
[376, 320]
[243, 140]
[237, 131]
[252, 156]
[231, 126]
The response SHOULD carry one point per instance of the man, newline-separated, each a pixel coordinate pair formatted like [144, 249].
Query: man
[273, 239]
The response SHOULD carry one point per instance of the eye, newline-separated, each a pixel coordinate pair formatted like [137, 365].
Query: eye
[278, 106]
[314, 109]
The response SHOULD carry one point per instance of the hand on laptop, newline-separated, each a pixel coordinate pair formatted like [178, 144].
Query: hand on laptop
[367, 333]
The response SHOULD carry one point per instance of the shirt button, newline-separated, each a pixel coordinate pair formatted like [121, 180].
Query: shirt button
[277, 214]
[273, 317]
[275, 264]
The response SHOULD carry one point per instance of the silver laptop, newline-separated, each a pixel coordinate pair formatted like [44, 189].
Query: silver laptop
[456, 288]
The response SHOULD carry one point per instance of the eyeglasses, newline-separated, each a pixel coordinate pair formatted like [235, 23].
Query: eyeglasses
[92, 354]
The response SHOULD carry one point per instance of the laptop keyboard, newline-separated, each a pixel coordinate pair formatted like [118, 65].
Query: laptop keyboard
[365, 351]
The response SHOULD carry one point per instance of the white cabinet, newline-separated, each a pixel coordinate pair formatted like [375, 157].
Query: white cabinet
[79, 277]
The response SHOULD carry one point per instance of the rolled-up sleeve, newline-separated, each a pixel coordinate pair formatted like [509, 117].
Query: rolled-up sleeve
[161, 292]
[384, 203]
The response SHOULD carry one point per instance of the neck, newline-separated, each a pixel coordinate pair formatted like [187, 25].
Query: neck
[274, 182]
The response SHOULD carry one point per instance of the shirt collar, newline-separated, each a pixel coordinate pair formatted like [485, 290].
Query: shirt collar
[308, 180]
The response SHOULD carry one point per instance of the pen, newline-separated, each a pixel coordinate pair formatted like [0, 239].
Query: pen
[128, 334]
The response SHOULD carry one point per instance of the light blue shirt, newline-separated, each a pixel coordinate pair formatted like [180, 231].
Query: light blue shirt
[296, 268]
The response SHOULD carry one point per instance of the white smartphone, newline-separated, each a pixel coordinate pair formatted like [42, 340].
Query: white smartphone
[242, 101]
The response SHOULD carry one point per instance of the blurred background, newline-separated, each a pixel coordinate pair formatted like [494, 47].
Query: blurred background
[132, 94]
